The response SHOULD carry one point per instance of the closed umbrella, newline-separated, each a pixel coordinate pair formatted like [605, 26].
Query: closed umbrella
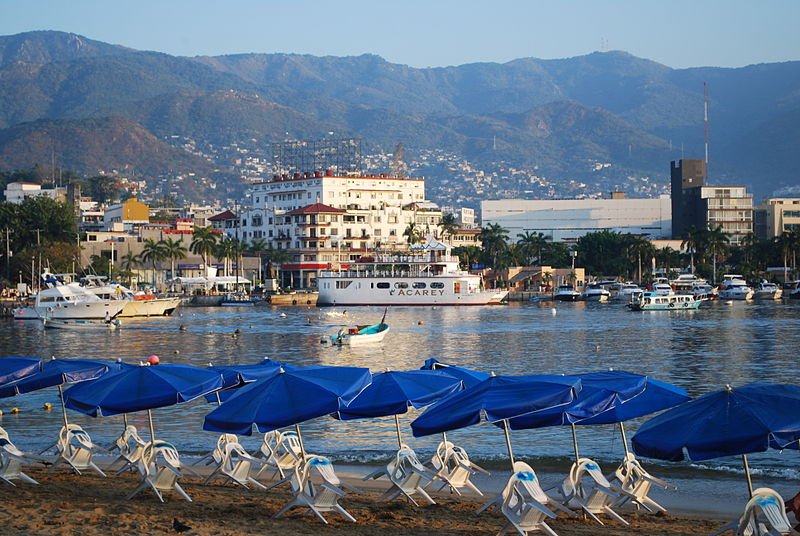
[144, 387]
[392, 392]
[17, 368]
[727, 422]
[292, 396]
[497, 399]
[606, 397]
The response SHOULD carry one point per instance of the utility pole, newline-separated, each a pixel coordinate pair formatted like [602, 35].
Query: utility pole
[8, 255]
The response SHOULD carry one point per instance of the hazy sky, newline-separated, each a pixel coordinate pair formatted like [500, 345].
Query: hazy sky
[423, 33]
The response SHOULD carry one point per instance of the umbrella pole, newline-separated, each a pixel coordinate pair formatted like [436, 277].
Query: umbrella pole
[397, 429]
[575, 441]
[152, 431]
[125, 419]
[302, 448]
[219, 402]
[747, 473]
[63, 406]
[624, 439]
[508, 442]
[444, 437]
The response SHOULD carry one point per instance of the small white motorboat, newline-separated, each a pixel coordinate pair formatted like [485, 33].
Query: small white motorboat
[81, 324]
[768, 291]
[356, 336]
[595, 293]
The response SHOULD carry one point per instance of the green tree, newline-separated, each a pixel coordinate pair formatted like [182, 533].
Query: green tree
[412, 233]
[153, 252]
[532, 245]
[174, 250]
[467, 256]
[694, 243]
[257, 247]
[717, 246]
[204, 240]
[128, 263]
[494, 238]
[448, 225]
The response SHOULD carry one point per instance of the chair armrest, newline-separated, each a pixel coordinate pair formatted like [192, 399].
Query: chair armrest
[658, 482]
[480, 469]
[333, 488]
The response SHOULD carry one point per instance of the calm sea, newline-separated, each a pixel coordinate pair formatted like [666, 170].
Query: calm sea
[700, 350]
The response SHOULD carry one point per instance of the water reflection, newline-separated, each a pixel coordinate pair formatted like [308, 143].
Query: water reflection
[698, 350]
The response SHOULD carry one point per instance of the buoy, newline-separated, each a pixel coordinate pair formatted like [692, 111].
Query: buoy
[176, 352]
[597, 348]
[554, 311]
[322, 340]
[420, 323]
[283, 315]
[153, 360]
[47, 406]
[14, 410]
[236, 331]
[182, 328]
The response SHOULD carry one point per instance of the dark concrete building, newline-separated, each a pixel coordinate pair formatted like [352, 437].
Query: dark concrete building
[684, 176]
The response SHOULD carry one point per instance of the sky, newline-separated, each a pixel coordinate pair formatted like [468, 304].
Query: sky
[432, 33]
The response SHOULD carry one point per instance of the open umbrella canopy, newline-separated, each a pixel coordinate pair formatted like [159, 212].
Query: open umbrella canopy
[57, 372]
[392, 392]
[294, 395]
[468, 376]
[236, 376]
[136, 388]
[607, 397]
[727, 422]
[17, 368]
[495, 399]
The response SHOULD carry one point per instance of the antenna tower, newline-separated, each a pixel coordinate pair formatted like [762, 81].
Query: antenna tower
[705, 121]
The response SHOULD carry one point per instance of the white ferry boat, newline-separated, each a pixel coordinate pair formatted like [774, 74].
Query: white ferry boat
[734, 287]
[651, 301]
[426, 275]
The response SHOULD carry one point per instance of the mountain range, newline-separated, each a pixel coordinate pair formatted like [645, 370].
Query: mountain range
[66, 94]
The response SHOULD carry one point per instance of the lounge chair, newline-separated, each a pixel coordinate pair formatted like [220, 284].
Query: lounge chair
[11, 461]
[593, 498]
[408, 477]
[522, 503]
[319, 498]
[75, 448]
[632, 478]
[454, 468]
[130, 447]
[764, 515]
[236, 466]
[160, 477]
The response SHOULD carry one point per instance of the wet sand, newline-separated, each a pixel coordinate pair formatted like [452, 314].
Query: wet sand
[66, 503]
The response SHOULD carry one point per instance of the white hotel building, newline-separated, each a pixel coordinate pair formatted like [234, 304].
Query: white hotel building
[569, 219]
[324, 219]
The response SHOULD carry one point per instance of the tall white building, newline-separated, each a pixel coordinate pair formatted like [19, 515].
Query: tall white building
[324, 219]
[569, 219]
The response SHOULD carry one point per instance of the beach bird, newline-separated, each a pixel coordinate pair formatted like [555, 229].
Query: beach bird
[177, 526]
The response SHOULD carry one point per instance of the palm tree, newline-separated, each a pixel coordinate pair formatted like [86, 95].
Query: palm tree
[128, 262]
[204, 239]
[785, 241]
[532, 244]
[153, 252]
[640, 247]
[412, 233]
[449, 225]
[493, 237]
[174, 249]
[692, 242]
[717, 244]
[467, 255]
[276, 256]
[257, 246]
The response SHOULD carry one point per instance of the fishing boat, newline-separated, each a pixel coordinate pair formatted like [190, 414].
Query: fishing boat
[81, 324]
[358, 335]
[652, 301]
[425, 275]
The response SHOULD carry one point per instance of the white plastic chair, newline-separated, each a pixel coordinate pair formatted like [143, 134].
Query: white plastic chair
[764, 515]
[317, 498]
[522, 503]
[130, 447]
[160, 478]
[454, 468]
[236, 466]
[594, 498]
[217, 453]
[285, 457]
[632, 478]
[75, 448]
[408, 477]
[11, 461]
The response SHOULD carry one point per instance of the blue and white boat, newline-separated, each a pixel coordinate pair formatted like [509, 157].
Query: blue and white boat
[358, 335]
[652, 301]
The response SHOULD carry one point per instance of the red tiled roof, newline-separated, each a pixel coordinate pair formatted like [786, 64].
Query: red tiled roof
[316, 208]
[227, 215]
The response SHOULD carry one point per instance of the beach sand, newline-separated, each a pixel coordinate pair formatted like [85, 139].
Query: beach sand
[66, 503]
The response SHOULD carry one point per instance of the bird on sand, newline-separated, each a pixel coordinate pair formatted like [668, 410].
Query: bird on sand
[177, 526]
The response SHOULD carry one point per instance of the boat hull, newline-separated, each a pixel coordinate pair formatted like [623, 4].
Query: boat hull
[154, 307]
[80, 324]
[736, 295]
[359, 339]
[405, 291]
[81, 310]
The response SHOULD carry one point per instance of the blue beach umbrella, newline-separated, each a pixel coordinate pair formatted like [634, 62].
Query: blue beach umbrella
[57, 372]
[293, 396]
[236, 376]
[496, 399]
[606, 398]
[17, 368]
[392, 392]
[144, 387]
[728, 422]
[468, 376]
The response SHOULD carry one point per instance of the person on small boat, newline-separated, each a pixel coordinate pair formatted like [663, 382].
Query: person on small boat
[107, 318]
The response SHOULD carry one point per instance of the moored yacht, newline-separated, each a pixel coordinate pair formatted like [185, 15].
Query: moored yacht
[703, 291]
[662, 289]
[625, 291]
[734, 287]
[135, 303]
[566, 293]
[768, 291]
[595, 293]
[426, 275]
[72, 301]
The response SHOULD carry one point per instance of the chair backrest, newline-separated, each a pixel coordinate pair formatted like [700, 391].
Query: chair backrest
[529, 482]
[219, 450]
[586, 466]
[324, 467]
[3, 433]
[771, 505]
[442, 455]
